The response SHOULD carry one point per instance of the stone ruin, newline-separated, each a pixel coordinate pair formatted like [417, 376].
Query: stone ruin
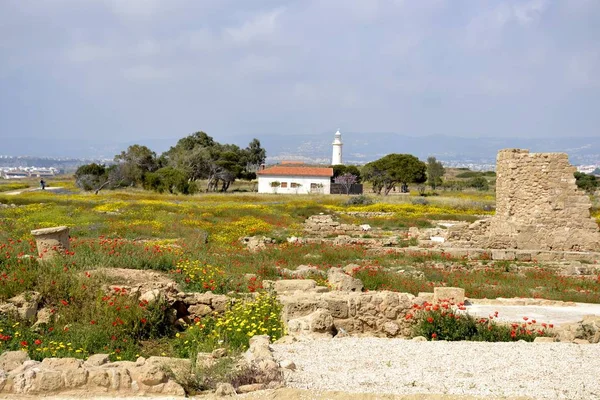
[538, 207]
[51, 241]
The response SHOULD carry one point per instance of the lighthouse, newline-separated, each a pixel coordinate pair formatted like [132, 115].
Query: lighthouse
[336, 158]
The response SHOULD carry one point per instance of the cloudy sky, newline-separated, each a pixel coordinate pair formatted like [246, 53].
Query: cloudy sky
[129, 69]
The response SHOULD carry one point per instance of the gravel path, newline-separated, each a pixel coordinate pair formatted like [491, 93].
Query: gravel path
[396, 366]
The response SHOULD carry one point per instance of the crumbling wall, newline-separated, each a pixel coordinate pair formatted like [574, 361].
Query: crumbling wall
[538, 206]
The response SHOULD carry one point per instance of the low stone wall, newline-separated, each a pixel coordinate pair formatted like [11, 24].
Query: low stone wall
[20, 375]
[314, 311]
[323, 225]
[496, 255]
[144, 377]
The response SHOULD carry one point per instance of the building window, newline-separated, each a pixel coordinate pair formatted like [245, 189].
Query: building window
[284, 184]
[295, 185]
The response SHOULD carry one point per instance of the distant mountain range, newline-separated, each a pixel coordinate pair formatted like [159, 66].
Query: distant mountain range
[359, 148]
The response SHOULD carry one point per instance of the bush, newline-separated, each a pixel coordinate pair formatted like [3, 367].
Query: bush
[444, 321]
[586, 182]
[479, 183]
[420, 201]
[468, 174]
[233, 330]
[360, 200]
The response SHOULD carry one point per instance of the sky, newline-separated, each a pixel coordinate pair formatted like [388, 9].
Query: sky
[123, 70]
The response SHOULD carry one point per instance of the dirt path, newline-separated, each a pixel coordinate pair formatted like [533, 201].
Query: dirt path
[17, 192]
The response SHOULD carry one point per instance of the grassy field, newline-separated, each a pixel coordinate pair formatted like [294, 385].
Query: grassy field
[195, 241]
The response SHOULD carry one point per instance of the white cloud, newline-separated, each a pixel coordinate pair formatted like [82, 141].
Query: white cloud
[260, 27]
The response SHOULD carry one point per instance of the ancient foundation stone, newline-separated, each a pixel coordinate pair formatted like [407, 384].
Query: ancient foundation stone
[51, 241]
[454, 294]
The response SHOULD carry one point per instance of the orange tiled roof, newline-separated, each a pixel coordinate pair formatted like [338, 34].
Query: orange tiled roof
[284, 170]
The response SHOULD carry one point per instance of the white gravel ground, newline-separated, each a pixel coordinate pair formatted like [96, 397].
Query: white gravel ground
[396, 366]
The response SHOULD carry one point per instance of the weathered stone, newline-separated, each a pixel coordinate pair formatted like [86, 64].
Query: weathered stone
[338, 308]
[99, 377]
[319, 321]
[11, 360]
[96, 360]
[456, 295]
[219, 303]
[543, 339]
[150, 375]
[338, 280]
[151, 296]
[179, 368]
[27, 304]
[51, 241]
[75, 377]
[173, 388]
[538, 207]
[390, 328]
[47, 381]
[291, 285]
[225, 389]
[259, 348]
[199, 310]
[419, 339]
[61, 364]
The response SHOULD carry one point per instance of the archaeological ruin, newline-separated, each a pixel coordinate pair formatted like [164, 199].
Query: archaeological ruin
[538, 207]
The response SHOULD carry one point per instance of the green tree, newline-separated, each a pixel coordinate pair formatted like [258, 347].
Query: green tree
[167, 179]
[479, 183]
[91, 176]
[394, 169]
[137, 161]
[586, 182]
[435, 171]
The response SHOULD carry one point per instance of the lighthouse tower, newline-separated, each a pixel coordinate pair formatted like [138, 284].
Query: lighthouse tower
[336, 158]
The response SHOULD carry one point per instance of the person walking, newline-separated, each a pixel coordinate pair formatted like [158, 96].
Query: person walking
[42, 184]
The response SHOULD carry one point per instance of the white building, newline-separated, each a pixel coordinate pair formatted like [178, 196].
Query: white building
[336, 158]
[294, 179]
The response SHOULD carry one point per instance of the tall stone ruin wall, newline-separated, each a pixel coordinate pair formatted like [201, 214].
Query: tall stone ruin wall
[538, 206]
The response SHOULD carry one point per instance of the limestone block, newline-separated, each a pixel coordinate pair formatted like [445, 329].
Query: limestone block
[319, 321]
[51, 241]
[172, 388]
[179, 368]
[26, 304]
[96, 360]
[61, 364]
[219, 303]
[75, 378]
[46, 381]
[11, 360]
[291, 285]
[337, 307]
[199, 310]
[454, 294]
[338, 280]
[99, 377]
[390, 328]
[225, 389]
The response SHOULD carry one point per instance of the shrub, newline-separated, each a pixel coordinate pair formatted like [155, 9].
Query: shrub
[445, 321]
[360, 200]
[420, 201]
[479, 183]
[233, 329]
